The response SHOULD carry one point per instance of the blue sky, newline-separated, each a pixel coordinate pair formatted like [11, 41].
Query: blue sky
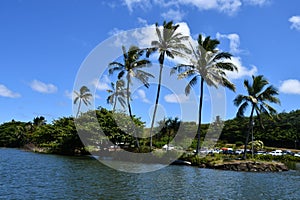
[44, 44]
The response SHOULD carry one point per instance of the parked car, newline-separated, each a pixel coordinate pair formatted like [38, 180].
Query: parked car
[227, 151]
[287, 152]
[276, 153]
[239, 151]
[297, 154]
[261, 153]
[169, 147]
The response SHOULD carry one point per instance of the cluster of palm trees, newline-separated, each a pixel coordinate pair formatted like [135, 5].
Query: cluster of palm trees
[206, 64]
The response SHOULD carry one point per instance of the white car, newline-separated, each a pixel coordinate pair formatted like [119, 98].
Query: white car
[239, 151]
[167, 147]
[261, 153]
[297, 154]
[276, 153]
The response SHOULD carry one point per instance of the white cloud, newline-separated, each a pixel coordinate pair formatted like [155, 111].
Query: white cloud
[141, 94]
[234, 41]
[5, 92]
[242, 70]
[43, 87]
[142, 21]
[173, 98]
[131, 4]
[70, 95]
[142, 37]
[234, 45]
[290, 86]
[295, 20]
[175, 15]
[257, 2]
[103, 84]
[226, 6]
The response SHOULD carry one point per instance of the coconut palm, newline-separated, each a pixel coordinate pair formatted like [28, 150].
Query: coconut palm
[258, 97]
[170, 43]
[131, 67]
[209, 65]
[117, 93]
[84, 96]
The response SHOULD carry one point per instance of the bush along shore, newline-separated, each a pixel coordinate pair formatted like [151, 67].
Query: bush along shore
[233, 163]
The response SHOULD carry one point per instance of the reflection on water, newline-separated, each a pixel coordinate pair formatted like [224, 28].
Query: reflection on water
[26, 175]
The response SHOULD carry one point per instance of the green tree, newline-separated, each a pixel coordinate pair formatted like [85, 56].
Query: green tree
[117, 93]
[84, 96]
[258, 97]
[209, 65]
[131, 67]
[39, 121]
[170, 43]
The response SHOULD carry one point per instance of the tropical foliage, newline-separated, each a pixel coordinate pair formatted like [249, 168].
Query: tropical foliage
[117, 94]
[169, 43]
[209, 66]
[258, 97]
[84, 96]
[131, 68]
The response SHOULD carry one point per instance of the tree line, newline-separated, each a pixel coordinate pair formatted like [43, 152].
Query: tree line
[61, 136]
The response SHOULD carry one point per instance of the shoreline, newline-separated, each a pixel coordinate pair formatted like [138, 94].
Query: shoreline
[194, 161]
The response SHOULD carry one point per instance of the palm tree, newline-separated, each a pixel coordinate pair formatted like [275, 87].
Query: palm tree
[208, 65]
[117, 93]
[131, 67]
[84, 96]
[170, 44]
[172, 126]
[259, 95]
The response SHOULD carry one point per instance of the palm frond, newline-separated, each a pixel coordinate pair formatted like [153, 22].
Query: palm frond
[191, 84]
[227, 66]
[122, 101]
[222, 55]
[225, 82]
[259, 82]
[187, 74]
[121, 74]
[241, 110]
[239, 99]
[149, 51]
[76, 99]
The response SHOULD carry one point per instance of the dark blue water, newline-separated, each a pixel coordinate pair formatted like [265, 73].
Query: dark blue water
[26, 175]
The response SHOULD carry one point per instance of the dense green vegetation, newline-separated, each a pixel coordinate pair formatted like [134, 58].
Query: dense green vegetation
[61, 136]
[282, 131]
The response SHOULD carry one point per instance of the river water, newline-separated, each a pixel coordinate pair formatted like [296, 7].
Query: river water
[27, 175]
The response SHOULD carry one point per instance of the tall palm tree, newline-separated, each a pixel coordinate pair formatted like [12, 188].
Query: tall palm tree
[170, 44]
[131, 67]
[258, 97]
[117, 93]
[208, 65]
[84, 96]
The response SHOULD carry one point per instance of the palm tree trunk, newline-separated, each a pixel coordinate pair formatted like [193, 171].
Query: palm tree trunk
[130, 114]
[157, 97]
[115, 103]
[200, 116]
[78, 108]
[248, 133]
[128, 98]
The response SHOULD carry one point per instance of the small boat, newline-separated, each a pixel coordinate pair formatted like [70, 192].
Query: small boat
[181, 162]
